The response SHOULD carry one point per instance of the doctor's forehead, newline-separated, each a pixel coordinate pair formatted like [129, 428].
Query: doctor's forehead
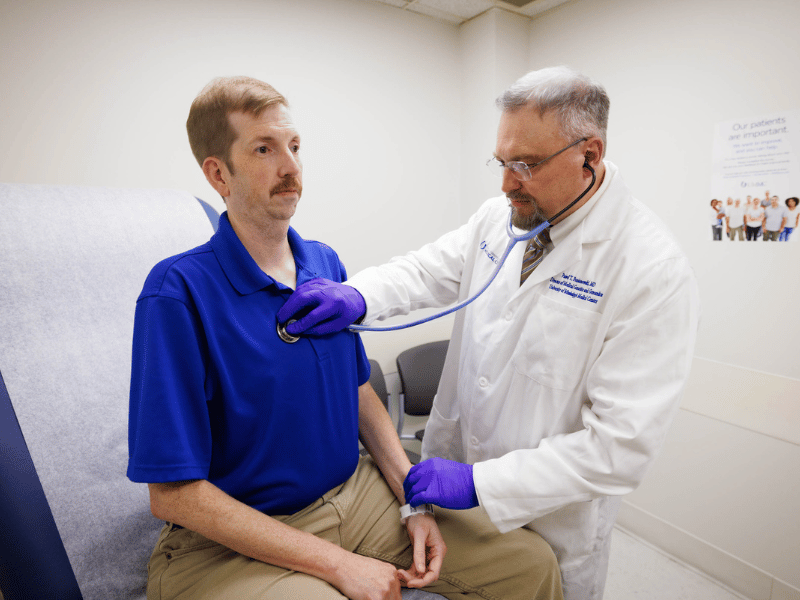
[526, 131]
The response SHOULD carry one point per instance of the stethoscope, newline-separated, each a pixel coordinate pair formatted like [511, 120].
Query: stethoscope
[513, 239]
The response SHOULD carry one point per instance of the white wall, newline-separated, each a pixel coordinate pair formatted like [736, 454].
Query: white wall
[724, 495]
[673, 70]
[97, 93]
[397, 115]
[493, 55]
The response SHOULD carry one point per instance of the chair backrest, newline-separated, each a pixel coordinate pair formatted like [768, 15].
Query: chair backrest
[378, 382]
[420, 369]
[72, 263]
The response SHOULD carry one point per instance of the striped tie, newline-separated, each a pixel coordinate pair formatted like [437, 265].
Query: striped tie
[534, 254]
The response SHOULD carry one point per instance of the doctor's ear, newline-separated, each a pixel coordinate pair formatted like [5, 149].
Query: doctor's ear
[593, 151]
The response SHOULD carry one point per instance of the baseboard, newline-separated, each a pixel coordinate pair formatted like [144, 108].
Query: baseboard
[738, 575]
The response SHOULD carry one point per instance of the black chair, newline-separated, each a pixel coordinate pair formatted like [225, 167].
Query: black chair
[420, 369]
[378, 382]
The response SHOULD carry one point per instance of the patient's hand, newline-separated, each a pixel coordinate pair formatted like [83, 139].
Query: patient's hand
[429, 551]
[364, 578]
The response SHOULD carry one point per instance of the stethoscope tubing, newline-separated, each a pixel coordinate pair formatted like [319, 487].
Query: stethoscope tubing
[513, 238]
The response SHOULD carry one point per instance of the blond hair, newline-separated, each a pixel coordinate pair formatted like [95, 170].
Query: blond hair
[210, 131]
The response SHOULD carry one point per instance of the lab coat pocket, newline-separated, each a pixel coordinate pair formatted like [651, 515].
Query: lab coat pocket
[442, 437]
[555, 343]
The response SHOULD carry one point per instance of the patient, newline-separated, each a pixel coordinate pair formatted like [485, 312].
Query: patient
[249, 444]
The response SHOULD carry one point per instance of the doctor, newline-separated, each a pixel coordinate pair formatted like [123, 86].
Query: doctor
[562, 379]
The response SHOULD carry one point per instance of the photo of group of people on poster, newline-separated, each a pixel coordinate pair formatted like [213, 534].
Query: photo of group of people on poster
[755, 218]
[755, 181]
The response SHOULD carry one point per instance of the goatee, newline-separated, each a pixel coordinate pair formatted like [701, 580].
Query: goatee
[530, 221]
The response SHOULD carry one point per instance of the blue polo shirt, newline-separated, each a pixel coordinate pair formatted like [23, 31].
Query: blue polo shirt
[216, 395]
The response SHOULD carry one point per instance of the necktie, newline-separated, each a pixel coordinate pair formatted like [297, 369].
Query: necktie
[534, 254]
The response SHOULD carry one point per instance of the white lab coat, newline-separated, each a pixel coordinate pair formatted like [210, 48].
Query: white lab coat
[561, 390]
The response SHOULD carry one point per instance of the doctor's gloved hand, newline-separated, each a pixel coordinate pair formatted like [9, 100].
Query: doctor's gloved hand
[442, 482]
[325, 306]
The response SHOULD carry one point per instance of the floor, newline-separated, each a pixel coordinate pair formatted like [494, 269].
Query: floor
[638, 571]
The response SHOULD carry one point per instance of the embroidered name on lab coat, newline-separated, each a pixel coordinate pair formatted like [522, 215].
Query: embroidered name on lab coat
[575, 287]
[491, 255]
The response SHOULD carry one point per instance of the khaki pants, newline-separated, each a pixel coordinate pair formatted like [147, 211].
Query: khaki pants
[362, 516]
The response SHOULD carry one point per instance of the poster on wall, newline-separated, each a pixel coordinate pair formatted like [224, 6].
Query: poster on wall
[755, 179]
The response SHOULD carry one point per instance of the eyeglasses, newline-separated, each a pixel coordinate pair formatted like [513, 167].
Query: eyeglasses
[522, 170]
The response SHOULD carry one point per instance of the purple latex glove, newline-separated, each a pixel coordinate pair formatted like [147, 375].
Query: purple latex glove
[326, 306]
[442, 482]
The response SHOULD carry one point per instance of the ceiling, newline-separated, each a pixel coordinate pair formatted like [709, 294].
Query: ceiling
[460, 11]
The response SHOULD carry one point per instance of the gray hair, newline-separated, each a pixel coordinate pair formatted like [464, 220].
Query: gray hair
[580, 104]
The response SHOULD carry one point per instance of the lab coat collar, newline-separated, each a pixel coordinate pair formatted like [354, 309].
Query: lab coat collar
[585, 226]
[560, 231]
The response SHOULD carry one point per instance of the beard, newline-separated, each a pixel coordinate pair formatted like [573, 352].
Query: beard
[530, 221]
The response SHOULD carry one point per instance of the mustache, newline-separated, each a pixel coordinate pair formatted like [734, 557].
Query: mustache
[520, 195]
[287, 184]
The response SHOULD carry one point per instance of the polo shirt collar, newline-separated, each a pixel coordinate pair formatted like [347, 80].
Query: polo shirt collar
[240, 268]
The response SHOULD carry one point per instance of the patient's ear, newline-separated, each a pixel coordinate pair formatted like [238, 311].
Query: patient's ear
[217, 175]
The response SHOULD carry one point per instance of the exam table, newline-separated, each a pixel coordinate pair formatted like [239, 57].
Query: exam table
[72, 263]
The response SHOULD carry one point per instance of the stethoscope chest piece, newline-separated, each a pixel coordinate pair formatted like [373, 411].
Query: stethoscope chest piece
[285, 335]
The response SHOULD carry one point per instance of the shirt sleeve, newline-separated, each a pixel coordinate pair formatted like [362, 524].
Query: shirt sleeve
[169, 435]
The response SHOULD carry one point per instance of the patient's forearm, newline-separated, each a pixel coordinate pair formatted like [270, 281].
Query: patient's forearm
[202, 507]
[380, 439]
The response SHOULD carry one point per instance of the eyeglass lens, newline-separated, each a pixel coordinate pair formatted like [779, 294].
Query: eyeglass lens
[521, 170]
